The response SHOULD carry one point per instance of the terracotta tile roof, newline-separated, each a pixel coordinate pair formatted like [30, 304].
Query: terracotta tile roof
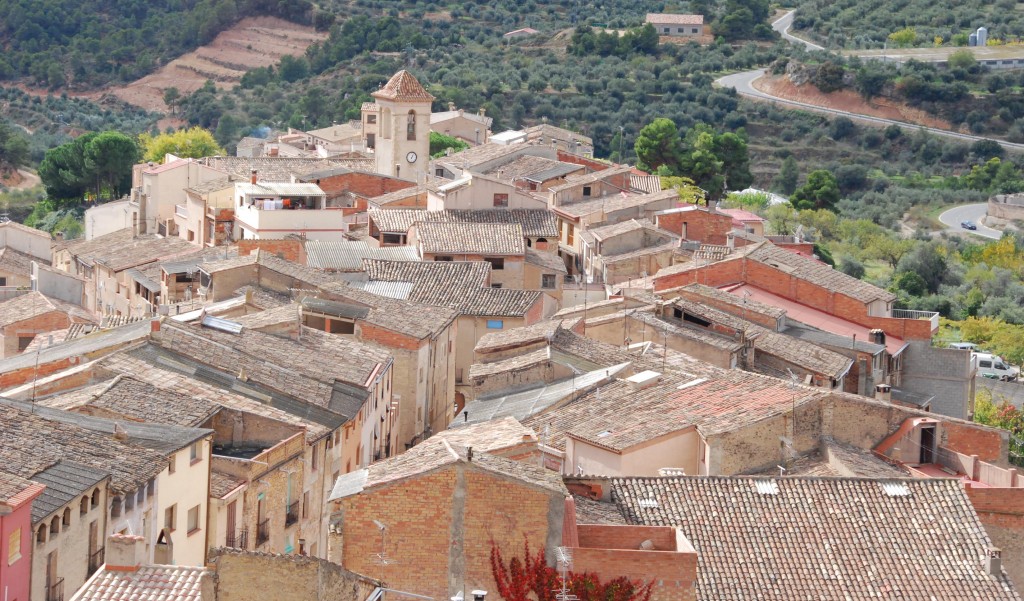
[514, 337]
[280, 169]
[838, 460]
[459, 285]
[398, 195]
[550, 131]
[310, 369]
[510, 364]
[712, 400]
[616, 202]
[437, 453]
[148, 583]
[469, 158]
[491, 436]
[532, 168]
[471, 238]
[120, 250]
[12, 261]
[129, 398]
[606, 232]
[546, 260]
[818, 273]
[222, 484]
[596, 176]
[32, 443]
[403, 86]
[151, 367]
[822, 538]
[536, 223]
[589, 511]
[14, 488]
[675, 19]
[33, 304]
[740, 306]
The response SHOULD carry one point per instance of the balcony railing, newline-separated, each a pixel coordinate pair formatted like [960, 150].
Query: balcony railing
[263, 532]
[931, 316]
[180, 210]
[293, 514]
[95, 560]
[238, 540]
[55, 592]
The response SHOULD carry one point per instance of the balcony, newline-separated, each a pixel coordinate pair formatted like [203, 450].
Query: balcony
[263, 532]
[293, 514]
[181, 211]
[238, 540]
[95, 560]
[931, 316]
[55, 591]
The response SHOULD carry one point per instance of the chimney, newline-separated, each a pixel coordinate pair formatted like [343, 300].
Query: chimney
[483, 111]
[451, 106]
[994, 561]
[119, 433]
[883, 392]
[877, 336]
[125, 552]
[163, 550]
[469, 454]
[252, 177]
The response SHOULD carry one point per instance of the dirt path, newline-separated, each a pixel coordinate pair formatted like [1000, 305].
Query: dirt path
[847, 101]
[20, 180]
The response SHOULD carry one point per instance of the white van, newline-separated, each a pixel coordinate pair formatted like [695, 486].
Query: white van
[993, 366]
[963, 346]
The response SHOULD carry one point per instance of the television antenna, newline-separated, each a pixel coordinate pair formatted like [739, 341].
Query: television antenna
[564, 557]
[382, 557]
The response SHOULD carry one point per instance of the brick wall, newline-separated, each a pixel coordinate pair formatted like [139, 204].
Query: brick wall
[988, 444]
[1001, 511]
[363, 184]
[700, 225]
[613, 551]
[591, 164]
[290, 577]
[440, 528]
[290, 250]
[29, 328]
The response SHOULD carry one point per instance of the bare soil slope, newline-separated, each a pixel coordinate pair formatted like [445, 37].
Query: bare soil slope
[253, 42]
[847, 100]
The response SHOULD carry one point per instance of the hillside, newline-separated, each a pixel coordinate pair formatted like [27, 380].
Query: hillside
[84, 44]
[867, 23]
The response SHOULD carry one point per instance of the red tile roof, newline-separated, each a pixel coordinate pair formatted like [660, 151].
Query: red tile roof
[403, 86]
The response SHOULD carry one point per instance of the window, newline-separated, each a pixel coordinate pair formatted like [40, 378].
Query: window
[496, 286]
[95, 500]
[55, 525]
[410, 126]
[151, 487]
[586, 191]
[194, 452]
[129, 502]
[14, 547]
[371, 118]
[193, 519]
[41, 534]
[83, 506]
[679, 30]
[3, 281]
[171, 517]
[371, 140]
[171, 464]
[305, 505]
[547, 281]
[115, 507]
[501, 200]
[497, 264]
[442, 258]
[695, 30]
[667, 30]
[495, 324]
[316, 453]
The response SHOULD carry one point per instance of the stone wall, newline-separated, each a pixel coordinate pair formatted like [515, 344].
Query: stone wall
[241, 576]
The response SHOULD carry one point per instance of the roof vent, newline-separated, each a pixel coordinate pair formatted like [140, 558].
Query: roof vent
[604, 434]
[766, 487]
[648, 503]
[896, 489]
[692, 383]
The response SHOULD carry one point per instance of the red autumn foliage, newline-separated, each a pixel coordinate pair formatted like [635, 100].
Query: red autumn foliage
[518, 578]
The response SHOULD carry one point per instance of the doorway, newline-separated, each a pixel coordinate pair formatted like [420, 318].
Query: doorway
[927, 445]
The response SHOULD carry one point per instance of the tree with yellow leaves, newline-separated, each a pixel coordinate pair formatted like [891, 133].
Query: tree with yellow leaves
[191, 143]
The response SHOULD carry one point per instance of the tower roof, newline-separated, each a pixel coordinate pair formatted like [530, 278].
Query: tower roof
[403, 86]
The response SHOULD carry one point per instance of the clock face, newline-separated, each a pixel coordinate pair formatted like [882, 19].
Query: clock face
[411, 157]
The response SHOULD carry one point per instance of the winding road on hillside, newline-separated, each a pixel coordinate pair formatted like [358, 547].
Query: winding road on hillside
[782, 25]
[952, 219]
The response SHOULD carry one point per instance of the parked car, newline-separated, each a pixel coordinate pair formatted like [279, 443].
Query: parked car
[968, 225]
[963, 346]
[993, 366]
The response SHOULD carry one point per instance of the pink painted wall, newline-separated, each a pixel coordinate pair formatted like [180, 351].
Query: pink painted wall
[15, 579]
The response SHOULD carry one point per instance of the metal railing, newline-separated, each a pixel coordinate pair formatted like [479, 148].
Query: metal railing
[931, 316]
[292, 515]
[262, 532]
[55, 591]
[238, 540]
[95, 560]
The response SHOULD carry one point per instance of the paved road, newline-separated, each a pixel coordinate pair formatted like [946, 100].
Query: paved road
[973, 212]
[782, 25]
[743, 84]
